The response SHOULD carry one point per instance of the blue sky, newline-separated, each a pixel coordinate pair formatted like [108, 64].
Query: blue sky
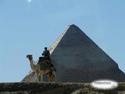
[26, 27]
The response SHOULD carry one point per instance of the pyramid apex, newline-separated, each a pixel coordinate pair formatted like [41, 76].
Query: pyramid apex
[73, 25]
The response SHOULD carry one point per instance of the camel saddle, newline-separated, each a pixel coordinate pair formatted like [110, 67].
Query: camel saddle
[44, 64]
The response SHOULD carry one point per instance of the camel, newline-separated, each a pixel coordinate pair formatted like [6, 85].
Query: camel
[40, 72]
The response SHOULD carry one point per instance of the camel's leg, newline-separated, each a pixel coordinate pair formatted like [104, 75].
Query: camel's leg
[51, 77]
[37, 78]
[37, 75]
[40, 77]
[54, 75]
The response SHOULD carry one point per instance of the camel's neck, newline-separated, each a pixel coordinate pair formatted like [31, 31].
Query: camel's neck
[31, 63]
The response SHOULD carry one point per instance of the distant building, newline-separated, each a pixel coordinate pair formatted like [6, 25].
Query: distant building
[78, 59]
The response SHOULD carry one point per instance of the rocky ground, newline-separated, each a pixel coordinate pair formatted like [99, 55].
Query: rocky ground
[55, 88]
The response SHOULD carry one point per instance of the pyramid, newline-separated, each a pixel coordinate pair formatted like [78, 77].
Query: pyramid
[78, 59]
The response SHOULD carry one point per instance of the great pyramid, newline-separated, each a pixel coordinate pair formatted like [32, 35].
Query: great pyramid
[78, 59]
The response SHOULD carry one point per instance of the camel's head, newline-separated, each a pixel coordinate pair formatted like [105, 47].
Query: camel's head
[29, 57]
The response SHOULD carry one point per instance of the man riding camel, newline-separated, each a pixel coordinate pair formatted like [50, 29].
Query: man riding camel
[46, 56]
